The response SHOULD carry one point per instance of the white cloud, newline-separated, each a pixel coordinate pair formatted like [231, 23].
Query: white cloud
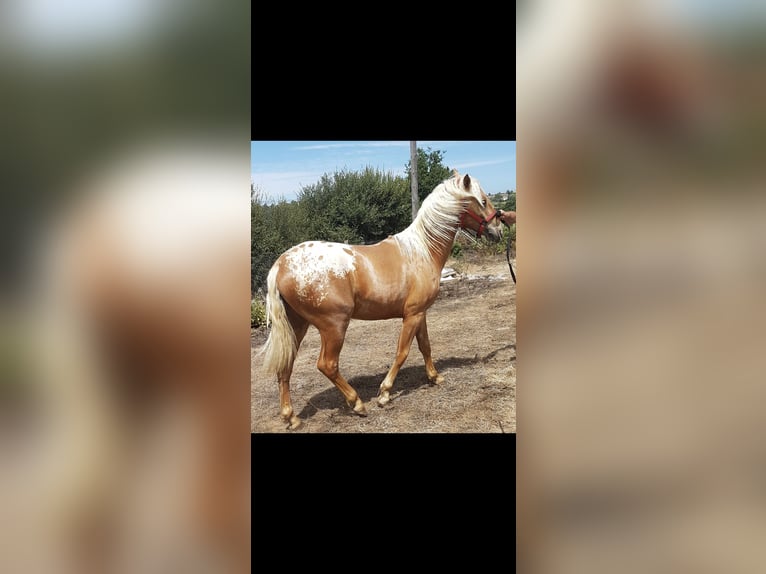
[484, 162]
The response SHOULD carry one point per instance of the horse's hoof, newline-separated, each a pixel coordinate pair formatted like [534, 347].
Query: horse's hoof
[383, 400]
[360, 409]
[294, 423]
[437, 380]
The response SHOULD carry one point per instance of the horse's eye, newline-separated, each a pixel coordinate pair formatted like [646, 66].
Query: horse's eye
[484, 203]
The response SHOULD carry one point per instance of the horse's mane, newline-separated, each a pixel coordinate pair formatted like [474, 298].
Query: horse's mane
[436, 222]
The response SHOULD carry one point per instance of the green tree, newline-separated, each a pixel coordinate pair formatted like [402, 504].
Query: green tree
[431, 171]
[510, 203]
[262, 240]
[274, 228]
[357, 207]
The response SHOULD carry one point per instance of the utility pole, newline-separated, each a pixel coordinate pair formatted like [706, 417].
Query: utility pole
[414, 178]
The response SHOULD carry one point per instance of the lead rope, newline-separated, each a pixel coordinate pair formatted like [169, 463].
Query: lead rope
[508, 255]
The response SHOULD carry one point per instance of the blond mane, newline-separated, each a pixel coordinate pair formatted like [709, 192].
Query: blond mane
[437, 221]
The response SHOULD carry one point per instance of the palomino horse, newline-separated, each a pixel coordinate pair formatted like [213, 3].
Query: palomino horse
[328, 284]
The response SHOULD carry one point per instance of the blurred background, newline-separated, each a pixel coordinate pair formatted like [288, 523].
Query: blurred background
[641, 133]
[124, 402]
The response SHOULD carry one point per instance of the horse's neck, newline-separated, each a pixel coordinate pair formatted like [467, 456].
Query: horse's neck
[440, 253]
[430, 236]
[435, 254]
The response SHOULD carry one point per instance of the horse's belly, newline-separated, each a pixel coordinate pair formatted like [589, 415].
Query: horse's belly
[385, 301]
[371, 310]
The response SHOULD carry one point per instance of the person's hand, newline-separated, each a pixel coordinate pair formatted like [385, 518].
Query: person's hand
[508, 217]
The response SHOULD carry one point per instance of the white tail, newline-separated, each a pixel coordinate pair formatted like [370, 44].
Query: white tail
[280, 348]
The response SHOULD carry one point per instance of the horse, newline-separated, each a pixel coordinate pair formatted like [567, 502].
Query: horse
[327, 284]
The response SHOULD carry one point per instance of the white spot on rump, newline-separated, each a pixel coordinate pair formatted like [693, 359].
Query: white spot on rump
[314, 263]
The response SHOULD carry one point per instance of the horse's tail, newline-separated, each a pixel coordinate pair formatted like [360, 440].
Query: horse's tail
[280, 348]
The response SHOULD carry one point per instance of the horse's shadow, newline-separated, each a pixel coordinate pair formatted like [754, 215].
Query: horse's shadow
[408, 380]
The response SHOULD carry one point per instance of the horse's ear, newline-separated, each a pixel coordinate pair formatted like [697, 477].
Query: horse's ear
[467, 181]
[455, 174]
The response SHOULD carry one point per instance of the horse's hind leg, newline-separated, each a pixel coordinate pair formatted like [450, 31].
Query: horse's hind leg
[300, 326]
[424, 344]
[332, 343]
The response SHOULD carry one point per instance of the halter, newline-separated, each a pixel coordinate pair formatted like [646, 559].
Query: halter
[483, 223]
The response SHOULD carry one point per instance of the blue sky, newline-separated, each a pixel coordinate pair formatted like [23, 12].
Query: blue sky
[280, 168]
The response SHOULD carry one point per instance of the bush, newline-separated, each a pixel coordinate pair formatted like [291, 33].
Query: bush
[275, 227]
[356, 207]
[257, 313]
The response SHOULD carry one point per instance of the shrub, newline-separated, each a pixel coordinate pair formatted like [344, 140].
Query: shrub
[257, 313]
[356, 207]
[275, 227]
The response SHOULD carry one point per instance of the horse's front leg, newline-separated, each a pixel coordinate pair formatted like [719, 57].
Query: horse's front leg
[410, 326]
[424, 344]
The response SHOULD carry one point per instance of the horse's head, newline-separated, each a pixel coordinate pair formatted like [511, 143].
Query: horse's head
[480, 216]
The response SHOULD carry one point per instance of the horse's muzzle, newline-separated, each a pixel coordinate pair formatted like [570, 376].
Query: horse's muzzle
[494, 233]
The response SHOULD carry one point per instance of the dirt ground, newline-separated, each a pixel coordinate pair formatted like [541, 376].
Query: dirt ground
[472, 326]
